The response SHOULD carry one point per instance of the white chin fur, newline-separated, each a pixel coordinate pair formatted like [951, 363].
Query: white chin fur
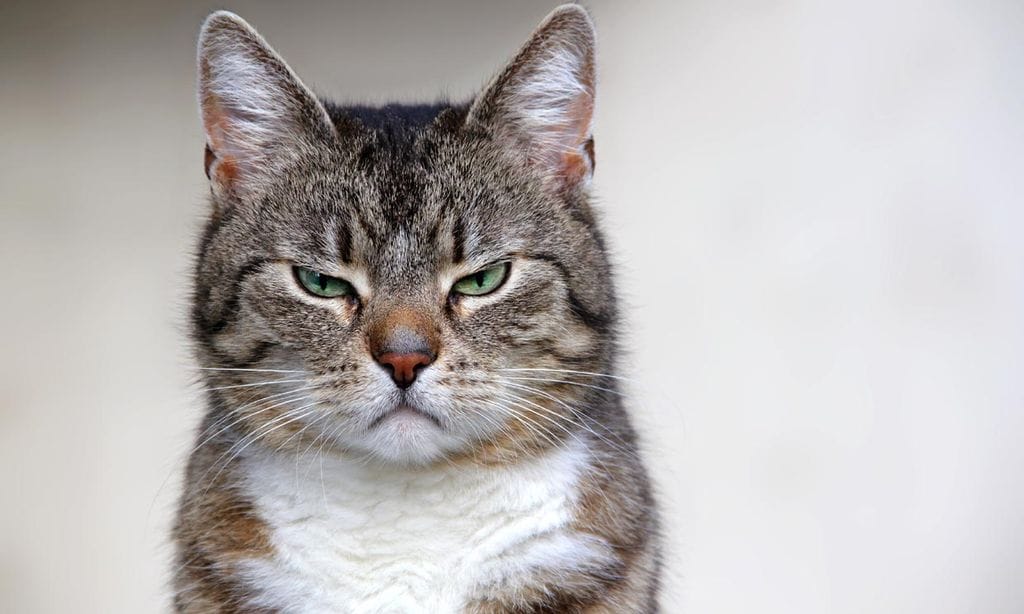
[403, 438]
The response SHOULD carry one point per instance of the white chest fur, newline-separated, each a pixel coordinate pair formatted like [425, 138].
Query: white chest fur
[361, 539]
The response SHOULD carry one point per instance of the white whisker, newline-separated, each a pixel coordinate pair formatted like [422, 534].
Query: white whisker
[572, 371]
[251, 415]
[267, 383]
[625, 448]
[248, 369]
[266, 429]
[562, 381]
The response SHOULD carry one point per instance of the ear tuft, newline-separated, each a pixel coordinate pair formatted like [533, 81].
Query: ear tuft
[542, 103]
[256, 112]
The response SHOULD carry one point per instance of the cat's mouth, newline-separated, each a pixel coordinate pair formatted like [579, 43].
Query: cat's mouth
[405, 412]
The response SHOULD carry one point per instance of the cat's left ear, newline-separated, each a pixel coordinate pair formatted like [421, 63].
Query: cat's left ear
[542, 103]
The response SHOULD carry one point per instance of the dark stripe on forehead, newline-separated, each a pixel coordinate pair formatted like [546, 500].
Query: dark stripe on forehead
[367, 227]
[458, 239]
[344, 242]
[431, 236]
[356, 210]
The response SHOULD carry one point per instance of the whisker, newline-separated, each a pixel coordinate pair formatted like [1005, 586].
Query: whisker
[250, 401]
[249, 416]
[570, 433]
[502, 428]
[538, 429]
[547, 411]
[574, 372]
[562, 381]
[266, 429]
[267, 383]
[217, 424]
[667, 400]
[248, 369]
[624, 448]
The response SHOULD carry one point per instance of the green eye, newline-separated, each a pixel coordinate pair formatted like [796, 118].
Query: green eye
[323, 285]
[483, 281]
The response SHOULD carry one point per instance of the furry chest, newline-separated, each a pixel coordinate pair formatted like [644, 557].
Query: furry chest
[386, 541]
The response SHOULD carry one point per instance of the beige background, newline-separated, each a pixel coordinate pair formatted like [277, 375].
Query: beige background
[816, 207]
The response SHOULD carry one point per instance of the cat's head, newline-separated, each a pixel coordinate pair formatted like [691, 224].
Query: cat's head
[408, 284]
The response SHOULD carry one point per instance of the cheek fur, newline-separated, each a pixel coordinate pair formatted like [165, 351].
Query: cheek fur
[300, 320]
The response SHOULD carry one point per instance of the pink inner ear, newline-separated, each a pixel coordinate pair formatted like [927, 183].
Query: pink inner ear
[573, 161]
[226, 171]
[574, 168]
[220, 166]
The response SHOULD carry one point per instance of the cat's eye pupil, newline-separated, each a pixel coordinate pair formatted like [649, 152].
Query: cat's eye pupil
[479, 278]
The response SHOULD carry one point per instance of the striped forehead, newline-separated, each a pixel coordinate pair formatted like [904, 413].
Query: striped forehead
[389, 246]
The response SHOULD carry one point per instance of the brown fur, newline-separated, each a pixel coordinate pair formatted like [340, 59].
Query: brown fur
[216, 529]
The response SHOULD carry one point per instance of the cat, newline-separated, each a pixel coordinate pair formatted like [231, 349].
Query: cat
[406, 323]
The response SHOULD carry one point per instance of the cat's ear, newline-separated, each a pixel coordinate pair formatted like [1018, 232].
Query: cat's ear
[542, 103]
[256, 113]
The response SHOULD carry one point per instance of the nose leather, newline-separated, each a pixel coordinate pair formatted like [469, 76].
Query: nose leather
[404, 367]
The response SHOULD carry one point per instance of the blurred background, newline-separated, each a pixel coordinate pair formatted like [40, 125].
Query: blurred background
[815, 206]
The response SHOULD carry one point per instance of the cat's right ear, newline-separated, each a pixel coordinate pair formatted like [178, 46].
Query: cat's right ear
[256, 112]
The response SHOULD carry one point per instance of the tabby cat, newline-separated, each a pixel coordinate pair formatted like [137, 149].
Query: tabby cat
[406, 326]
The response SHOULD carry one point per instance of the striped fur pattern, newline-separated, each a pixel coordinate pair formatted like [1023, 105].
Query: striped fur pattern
[506, 478]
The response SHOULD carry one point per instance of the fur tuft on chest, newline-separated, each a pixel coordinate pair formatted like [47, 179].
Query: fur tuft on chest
[352, 538]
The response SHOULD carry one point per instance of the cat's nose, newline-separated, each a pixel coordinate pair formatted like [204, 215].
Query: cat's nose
[403, 343]
[404, 366]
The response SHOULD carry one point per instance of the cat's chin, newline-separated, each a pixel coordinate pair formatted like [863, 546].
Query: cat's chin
[405, 436]
[405, 417]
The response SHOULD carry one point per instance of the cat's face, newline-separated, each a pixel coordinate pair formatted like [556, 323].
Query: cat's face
[413, 291]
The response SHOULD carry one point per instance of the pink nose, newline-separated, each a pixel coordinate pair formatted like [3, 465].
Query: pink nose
[404, 366]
